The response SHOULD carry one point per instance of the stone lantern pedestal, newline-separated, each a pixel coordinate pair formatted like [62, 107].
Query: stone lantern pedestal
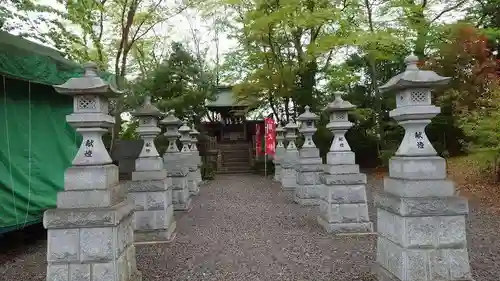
[420, 222]
[175, 165]
[90, 234]
[196, 156]
[280, 152]
[343, 204]
[150, 188]
[310, 165]
[189, 160]
[290, 159]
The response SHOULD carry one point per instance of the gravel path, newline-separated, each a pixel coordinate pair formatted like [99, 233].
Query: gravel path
[243, 227]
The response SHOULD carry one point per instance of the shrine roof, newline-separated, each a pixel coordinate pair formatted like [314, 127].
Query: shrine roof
[225, 98]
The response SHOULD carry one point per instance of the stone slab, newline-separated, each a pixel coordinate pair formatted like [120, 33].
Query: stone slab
[90, 177]
[149, 175]
[344, 213]
[81, 218]
[345, 194]
[148, 185]
[310, 167]
[309, 178]
[100, 198]
[397, 263]
[156, 236]
[341, 169]
[148, 164]
[309, 152]
[423, 232]
[419, 188]
[154, 200]
[340, 158]
[422, 206]
[342, 228]
[342, 179]
[417, 168]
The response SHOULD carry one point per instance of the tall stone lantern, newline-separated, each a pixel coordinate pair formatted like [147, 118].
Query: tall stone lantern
[174, 163]
[421, 222]
[150, 188]
[310, 165]
[280, 152]
[343, 203]
[196, 154]
[290, 159]
[188, 157]
[90, 233]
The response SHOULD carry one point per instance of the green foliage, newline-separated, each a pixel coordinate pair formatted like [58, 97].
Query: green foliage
[179, 83]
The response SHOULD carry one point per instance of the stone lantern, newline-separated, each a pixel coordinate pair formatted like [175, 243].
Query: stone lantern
[188, 157]
[172, 124]
[290, 159]
[91, 210]
[150, 188]
[310, 165]
[421, 222]
[343, 203]
[176, 167]
[280, 152]
[148, 116]
[196, 154]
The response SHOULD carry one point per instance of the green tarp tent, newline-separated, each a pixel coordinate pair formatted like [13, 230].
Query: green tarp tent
[36, 143]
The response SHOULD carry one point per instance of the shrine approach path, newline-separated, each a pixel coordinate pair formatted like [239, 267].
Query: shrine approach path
[244, 227]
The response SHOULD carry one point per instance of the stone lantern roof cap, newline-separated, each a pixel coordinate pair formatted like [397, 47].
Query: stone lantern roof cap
[280, 129]
[89, 83]
[170, 119]
[307, 115]
[147, 109]
[338, 104]
[194, 132]
[291, 126]
[184, 128]
[413, 77]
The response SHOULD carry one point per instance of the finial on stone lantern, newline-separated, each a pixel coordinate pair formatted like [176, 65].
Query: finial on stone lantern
[90, 114]
[413, 102]
[194, 138]
[148, 129]
[308, 127]
[185, 139]
[291, 135]
[172, 134]
[339, 122]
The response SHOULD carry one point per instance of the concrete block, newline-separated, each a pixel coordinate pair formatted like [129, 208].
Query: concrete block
[79, 272]
[57, 272]
[149, 175]
[100, 198]
[419, 188]
[309, 152]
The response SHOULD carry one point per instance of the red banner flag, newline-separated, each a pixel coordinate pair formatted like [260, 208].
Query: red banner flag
[258, 140]
[270, 136]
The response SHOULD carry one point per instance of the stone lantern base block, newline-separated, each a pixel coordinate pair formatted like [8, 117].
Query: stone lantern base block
[422, 238]
[277, 172]
[309, 184]
[85, 243]
[154, 211]
[148, 164]
[343, 203]
[178, 170]
[193, 186]
[288, 178]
